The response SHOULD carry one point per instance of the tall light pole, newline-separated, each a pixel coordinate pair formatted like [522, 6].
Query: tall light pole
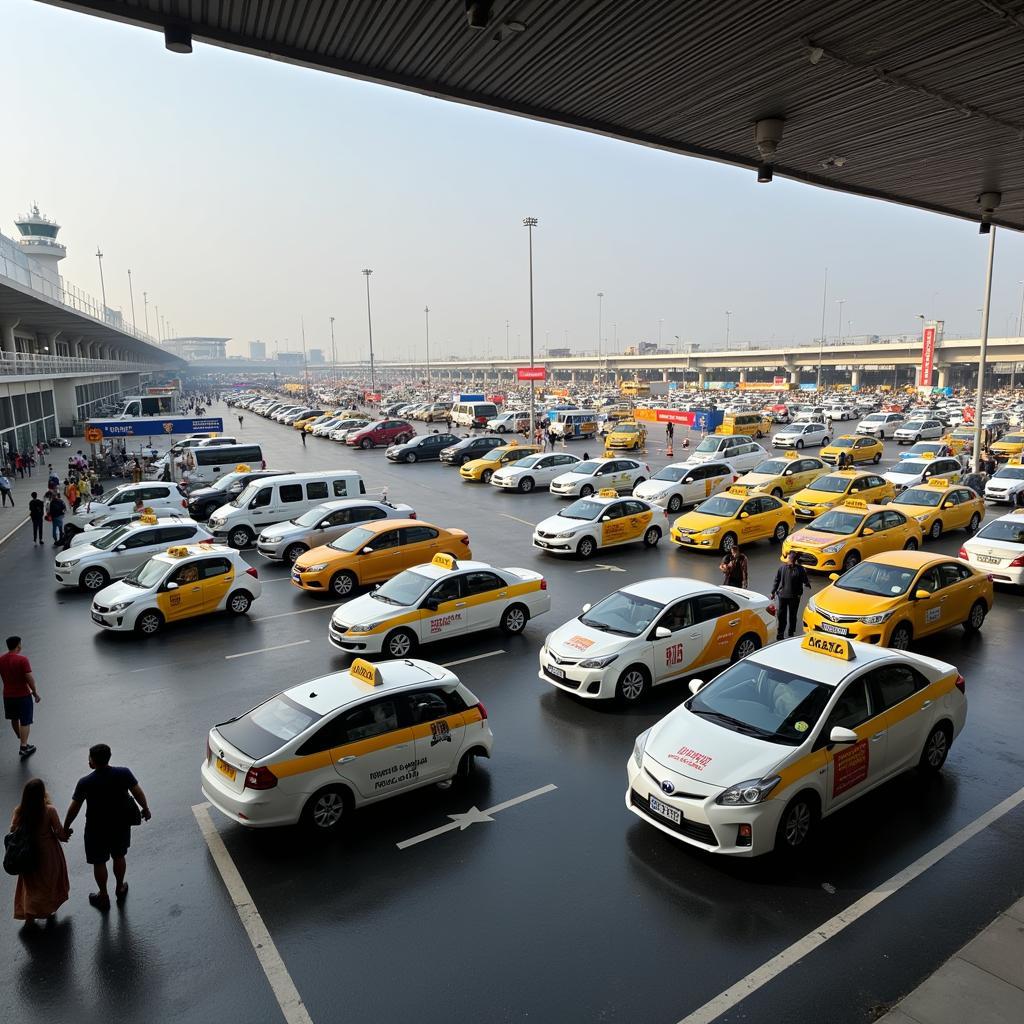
[305, 364]
[369, 326]
[508, 353]
[157, 308]
[103, 287]
[821, 340]
[530, 223]
[840, 335]
[600, 310]
[728, 316]
[145, 311]
[334, 356]
[983, 353]
[615, 336]
[131, 296]
[426, 314]
[661, 320]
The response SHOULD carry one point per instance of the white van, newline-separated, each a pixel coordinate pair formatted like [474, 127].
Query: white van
[473, 414]
[213, 461]
[275, 499]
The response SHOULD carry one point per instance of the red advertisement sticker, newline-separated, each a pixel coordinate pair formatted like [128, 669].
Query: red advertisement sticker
[850, 767]
[691, 758]
[581, 643]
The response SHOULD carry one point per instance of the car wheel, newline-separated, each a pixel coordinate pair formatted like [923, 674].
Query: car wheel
[502, 429]
[728, 543]
[977, 617]
[467, 765]
[911, 544]
[410, 456]
[526, 484]
[239, 602]
[464, 460]
[632, 685]
[94, 579]
[149, 622]
[240, 538]
[399, 644]
[776, 492]
[293, 552]
[745, 647]
[780, 534]
[675, 503]
[343, 583]
[796, 826]
[851, 560]
[877, 459]
[486, 475]
[901, 637]
[936, 531]
[514, 620]
[652, 536]
[586, 491]
[799, 444]
[365, 443]
[585, 548]
[975, 522]
[936, 749]
[325, 811]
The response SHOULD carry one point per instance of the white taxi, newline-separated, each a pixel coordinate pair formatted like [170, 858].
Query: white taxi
[602, 521]
[651, 633]
[585, 478]
[1006, 485]
[537, 470]
[182, 583]
[910, 472]
[756, 757]
[317, 751]
[686, 483]
[998, 549]
[442, 599]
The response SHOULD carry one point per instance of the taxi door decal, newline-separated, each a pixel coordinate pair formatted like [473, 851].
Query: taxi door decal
[707, 487]
[216, 589]
[625, 528]
[728, 629]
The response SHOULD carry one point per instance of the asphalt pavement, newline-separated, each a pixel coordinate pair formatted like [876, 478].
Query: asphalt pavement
[563, 908]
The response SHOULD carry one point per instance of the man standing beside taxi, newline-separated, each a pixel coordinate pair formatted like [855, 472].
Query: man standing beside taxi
[790, 582]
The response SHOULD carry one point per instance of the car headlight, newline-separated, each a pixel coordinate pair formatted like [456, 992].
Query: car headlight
[638, 747]
[598, 662]
[365, 627]
[750, 792]
[565, 533]
[712, 529]
[922, 519]
[120, 606]
[68, 564]
[833, 548]
[877, 620]
[319, 567]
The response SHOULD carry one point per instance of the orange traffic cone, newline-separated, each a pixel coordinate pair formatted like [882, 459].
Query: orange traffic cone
[668, 447]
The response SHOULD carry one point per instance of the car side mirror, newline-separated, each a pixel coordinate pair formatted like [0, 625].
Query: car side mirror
[366, 551]
[171, 586]
[662, 633]
[323, 525]
[121, 547]
[833, 576]
[788, 472]
[432, 603]
[586, 608]
[695, 685]
[841, 735]
[867, 531]
[744, 515]
[606, 519]
[921, 595]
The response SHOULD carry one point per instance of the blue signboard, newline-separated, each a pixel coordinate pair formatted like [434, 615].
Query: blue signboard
[470, 398]
[147, 426]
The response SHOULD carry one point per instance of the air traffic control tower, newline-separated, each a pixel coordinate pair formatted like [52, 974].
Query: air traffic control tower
[39, 240]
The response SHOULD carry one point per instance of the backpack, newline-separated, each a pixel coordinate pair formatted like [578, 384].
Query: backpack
[19, 852]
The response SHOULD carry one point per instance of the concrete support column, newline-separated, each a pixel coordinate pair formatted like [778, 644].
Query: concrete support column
[743, 376]
[7, 335]
[664, 376]
[702, 376]
[944, 376]
[794, 375]
[855, 379]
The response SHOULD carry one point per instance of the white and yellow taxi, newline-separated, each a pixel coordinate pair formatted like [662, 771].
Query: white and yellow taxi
[592, 475]
[909, 472]
[733, 516]
[844, 535]
[603, 520]
[685, 483]
[785, 475]
[765, 750]
[835, 488]
[940, 505]
[185, 581]
[651, 633]
[315, 752]
[443, 599]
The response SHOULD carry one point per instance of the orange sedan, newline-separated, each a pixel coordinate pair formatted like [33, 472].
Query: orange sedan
[373, 553]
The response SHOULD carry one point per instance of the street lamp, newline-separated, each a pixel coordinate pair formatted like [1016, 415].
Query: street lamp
[661, 320]
[728, 314]
[369, 327]
[530, 223]
[131, 296]
[600, 301]
[145, 311]
[334, 356]
[508, 352]
[426, 314]
[103, 287]
[840, 302]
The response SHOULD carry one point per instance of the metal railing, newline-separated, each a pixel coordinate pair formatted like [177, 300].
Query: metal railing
[20, 364]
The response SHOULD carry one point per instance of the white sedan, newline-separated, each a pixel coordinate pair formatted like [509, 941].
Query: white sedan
[801, 435]
[908, 472]
[599, 474]
[686, 483]
[601, 521]
[651, 633]
[998, 549]
[533, 471]
[1006, 485]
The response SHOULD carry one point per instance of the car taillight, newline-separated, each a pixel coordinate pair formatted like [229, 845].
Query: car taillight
[465, 540]
[209, 751]
[253, 572]
[412, 515]
[480, 707]
[184, 503]
[1017, 562]
[260, 778]
[961, 683]
[962, 553]
[543, 584]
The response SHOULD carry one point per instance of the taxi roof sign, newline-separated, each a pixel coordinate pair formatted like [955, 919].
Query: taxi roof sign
[179, 551]
[443, 561]
[927, 455]
[855, 503]
[938, 481]
[243, 468]
[831, 646]
[1014, 460]
[740, 492]
[148, 519]
[366, 672]
[149, 511]
[607, 492]
[791, 455]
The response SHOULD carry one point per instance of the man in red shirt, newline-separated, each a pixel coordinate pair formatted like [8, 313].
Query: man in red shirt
[20, 692]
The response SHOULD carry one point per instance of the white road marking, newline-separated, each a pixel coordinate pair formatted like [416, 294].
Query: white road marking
[263, 650]
[301, 611]
[274, 579]
[473, 816]
[476, 657]
[525, 522]
[602, 568]
[285, 992]
[11, 533]
[802, 947]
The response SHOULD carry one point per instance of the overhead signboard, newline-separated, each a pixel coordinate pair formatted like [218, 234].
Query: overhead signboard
[531, 373]
[146, 426]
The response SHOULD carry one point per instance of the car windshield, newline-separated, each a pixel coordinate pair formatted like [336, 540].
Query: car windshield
[843, 442]
[830, 484]
[773, 467]
[877, 579]
[1009, 473]
[964, 435]
[109, 540]
[673, 473]
[720, 505]
[1013, 439]
[913, 466]
[530, 460]
[914, 425]
[310, 518]
[1003, 529]
[353, 540]
[876, 418]
[627, 428]
[147, 575]
[622, 613]
[770, 703]
[929, 496]
[835, 521]
[588, 468]
[247, 494]
[709, 444]
[921, 448]
[267, 728]
[494, 454]
[404, 589]
[585, 508]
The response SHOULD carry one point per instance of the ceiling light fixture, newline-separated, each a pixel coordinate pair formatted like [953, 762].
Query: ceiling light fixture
[767, 136]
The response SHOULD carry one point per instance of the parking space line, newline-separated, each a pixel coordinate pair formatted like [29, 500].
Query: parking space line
[285, 992]
[274, 579]
[11, 533]
[525, 522]
[300, 611]
[810, 942]
[263, 650]
[476, 657]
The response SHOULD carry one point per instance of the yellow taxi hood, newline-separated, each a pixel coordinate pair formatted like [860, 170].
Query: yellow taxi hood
[756, 479]
[914, 510]
[314, 556]
[474, 464]
[700, 521]
[847, 602]
[809, 497]
[1007, 446]
[813, 539]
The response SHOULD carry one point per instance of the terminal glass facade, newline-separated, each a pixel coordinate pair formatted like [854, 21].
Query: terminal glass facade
[25, 419]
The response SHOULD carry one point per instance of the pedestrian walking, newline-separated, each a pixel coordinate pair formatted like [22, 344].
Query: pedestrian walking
[56, 512]
[670, 431]
[734, 568]
[19, 465]
[54, 481]
[240, 418]
[44, 886]
[20, 693]
[551, 438]
[36, 511]
[114, 801]
[791, 581]
[5, 491]
[302, 433]
[136, 472]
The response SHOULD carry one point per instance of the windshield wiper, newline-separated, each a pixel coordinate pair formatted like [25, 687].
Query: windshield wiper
[386, 599]
[744, 727]
[605, 628]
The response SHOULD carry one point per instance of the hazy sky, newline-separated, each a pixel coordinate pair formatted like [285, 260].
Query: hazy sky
[245, 194]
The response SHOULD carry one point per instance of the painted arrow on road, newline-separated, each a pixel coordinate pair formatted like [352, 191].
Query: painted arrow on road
[602, 568]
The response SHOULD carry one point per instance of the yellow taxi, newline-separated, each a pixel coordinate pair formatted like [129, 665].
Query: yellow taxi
[755, 424]
[856, 447]
[603, 520]
[962, 439]
[1008, 445]
[845, 535]
[939, 505]
[301, 423]
[787, 474]
[734, 516]
[373, 553]
[627, 435]
[483, 469]
[828, 491]
[900, 596]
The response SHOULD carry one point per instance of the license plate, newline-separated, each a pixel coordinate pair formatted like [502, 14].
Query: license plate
[988, 559]
[827, 627]
[556, 672]
[295, 577]
[664, 810]
[96, 617]
[225, 769]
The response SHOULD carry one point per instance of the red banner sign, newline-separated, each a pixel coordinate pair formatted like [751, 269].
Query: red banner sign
[496, 399]
[371, 396]
[850, 767]
[531, 373]
[927, 357]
